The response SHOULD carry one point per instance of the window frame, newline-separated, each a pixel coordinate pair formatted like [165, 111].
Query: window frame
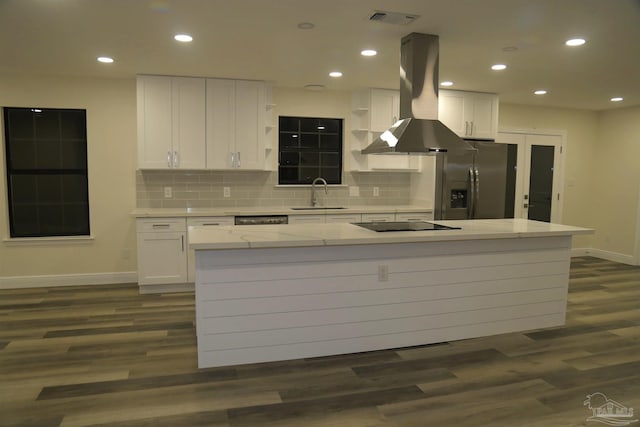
[322, 152]
[76, 175]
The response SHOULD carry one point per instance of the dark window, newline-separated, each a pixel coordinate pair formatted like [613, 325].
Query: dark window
[309, 148]
[46, 158]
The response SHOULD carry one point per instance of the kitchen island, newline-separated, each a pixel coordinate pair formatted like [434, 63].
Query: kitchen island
[277, 292]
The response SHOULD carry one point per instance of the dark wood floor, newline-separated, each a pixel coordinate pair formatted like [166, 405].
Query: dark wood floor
[106, 356]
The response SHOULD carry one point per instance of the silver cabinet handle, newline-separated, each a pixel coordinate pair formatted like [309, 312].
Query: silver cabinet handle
[176, 159]
[160, 225]
[238, 165]
[168, 159]
[182, 242]
[233, 159]
[466, 128]
[204, 224]
[471, 129]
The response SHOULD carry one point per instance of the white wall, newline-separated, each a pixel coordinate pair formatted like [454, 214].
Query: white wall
[616, 186]
[111, 131]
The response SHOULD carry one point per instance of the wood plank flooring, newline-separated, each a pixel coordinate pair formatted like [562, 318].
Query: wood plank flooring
[107, 356]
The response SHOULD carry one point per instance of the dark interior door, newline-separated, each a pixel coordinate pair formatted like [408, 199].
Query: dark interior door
[541, 182]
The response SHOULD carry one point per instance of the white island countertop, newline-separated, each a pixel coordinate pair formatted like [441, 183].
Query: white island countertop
[280, 236]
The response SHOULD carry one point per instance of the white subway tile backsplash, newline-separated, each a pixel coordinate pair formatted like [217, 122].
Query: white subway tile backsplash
[204, 189]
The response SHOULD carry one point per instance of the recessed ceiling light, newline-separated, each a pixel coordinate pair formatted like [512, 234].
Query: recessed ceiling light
[368, 52]
[498, 67]
[184, 38]
[617, 99]
[540, 92]
[335, 74]
[446, 83]
[105, 59]
[315, 88]
[575, 42]
[306, 26]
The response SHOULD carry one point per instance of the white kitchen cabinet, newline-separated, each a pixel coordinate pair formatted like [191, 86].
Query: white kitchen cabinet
[373, 112]
[212, 221]
[414, 216]
[378, 217]
[237, 129]
[306, 219]
[469, 114]
[385, 109]
[171, 122]
[162, 251]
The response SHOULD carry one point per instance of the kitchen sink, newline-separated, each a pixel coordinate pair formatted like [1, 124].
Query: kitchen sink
[317, 208]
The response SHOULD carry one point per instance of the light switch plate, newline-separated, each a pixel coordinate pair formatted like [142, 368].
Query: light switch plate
[168, 192]
[376, 191]
[227, 191]
[354, 191]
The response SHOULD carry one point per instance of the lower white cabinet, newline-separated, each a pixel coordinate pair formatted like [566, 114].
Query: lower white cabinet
[213, 221]
[378, 217]
[162, 251]
[415, 216]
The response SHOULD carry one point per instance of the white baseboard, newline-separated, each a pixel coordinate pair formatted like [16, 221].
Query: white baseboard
[19, 282]
[599, 253]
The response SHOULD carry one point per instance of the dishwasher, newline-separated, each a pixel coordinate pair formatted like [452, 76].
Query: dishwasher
[261, 219]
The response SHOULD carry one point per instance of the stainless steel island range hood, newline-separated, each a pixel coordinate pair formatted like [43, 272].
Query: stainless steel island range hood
[418, 131]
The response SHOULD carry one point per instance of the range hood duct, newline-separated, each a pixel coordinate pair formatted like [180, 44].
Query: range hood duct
[418, 131]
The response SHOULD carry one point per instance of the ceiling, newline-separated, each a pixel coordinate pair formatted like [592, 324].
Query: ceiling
[259, 39]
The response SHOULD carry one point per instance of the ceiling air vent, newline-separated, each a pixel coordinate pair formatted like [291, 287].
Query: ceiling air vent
[395, 18]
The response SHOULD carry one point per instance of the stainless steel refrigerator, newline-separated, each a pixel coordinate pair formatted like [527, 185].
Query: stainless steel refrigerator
[476, 184]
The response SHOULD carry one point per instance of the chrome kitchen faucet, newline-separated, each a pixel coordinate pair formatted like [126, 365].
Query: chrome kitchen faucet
[314, 199]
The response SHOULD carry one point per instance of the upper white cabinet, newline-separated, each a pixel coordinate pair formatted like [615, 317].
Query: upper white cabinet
[236, 124]
[171, 122]
[373, 112]
[469, 114]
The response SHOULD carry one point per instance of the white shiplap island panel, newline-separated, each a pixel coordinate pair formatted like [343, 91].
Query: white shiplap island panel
[267, 300]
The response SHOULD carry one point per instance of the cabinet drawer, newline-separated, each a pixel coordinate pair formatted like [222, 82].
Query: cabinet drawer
[378, 217]
[210, 221]
[306, 219]
[342, 218]
[414, 216]
[161, 224]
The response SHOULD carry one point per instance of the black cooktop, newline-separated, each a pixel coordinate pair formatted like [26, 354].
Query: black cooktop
[404, 226]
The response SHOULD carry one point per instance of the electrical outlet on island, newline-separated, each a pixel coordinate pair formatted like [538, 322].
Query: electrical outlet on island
[354, 191]
[227, 191]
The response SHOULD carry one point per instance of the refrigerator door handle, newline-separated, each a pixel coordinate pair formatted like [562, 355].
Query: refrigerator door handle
[476, 191]
[471, 198]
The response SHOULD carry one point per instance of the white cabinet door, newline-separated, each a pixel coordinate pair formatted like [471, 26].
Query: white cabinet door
[484, 123]
[154, 113]
[188, 101]
[385, 109]
[171, 122]
[469, 114]
[250, 112]
[451, 110]
[236, 124]
[378, 217]
[221, 126]
[162, 251]
[306, 219]
[214, 221]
